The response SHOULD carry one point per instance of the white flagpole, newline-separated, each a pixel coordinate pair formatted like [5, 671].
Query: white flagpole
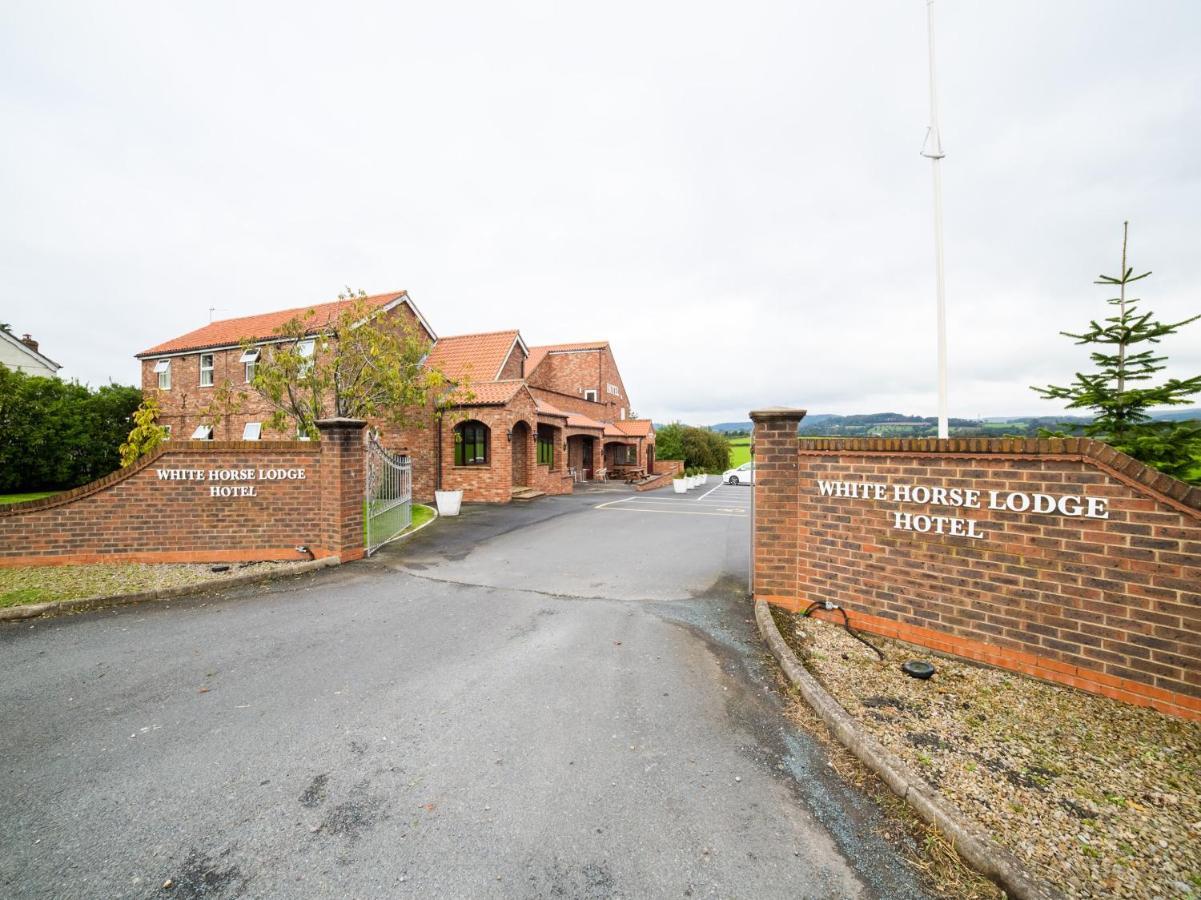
[932, 150]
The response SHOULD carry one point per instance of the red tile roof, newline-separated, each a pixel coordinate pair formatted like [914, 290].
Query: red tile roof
[474, 357]
[575, 420]
[634, 427]
[547, 410]
[487, 393]
[231, 332]
[537, 354]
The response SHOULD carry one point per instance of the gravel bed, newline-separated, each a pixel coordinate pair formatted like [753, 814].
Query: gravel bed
[38, 584]
[1099, 798]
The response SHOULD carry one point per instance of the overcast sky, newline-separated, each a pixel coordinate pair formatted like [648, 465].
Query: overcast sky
[730, 193]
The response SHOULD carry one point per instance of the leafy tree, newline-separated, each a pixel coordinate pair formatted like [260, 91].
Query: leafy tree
[146, 435]
[59, 434]
[359, 365]
[700, 448]
[1117, 391]
[225, 403]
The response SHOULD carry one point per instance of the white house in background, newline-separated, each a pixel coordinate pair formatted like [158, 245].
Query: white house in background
[21, 353]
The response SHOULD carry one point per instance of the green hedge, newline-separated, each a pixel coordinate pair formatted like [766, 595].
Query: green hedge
[59, 434]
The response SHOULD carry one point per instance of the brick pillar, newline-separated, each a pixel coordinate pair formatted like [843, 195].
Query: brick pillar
[343, 487]
[774, 529]
[598, 455]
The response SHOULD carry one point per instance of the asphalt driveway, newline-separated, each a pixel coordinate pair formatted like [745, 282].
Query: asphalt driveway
[565, 699]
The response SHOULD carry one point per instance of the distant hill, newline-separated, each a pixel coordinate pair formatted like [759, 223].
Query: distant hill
[891, 424]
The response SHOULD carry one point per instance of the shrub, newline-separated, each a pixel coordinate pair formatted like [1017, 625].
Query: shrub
[58, 434]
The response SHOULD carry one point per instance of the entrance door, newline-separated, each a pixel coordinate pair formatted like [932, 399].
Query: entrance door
[586, 465]
[520, 448]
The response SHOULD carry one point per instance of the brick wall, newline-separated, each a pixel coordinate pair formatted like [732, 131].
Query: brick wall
[669, 466]
[138, 515]
[571, 373]
[1101, 591]
[183, 404]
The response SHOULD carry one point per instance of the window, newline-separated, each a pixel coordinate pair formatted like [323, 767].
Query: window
[162, 369]
[249, 360]
[471, 444]
[614, 390]
[590, 394]
[546, 449]
[203, 433]
[305, 349]
[252, 431]
[206, 370]
[166, 432]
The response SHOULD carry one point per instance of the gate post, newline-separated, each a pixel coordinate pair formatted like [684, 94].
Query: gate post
[343, 486]
[775, 525]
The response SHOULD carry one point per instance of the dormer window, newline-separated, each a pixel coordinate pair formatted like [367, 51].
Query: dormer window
[162, 369]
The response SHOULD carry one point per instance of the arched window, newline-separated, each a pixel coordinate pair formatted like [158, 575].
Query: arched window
[471, 444]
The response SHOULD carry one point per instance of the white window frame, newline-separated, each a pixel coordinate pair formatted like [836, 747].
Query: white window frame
[162, 369]
[209, 370]
[203, 433]
[167, 429]
[249, 360]
[307, 350]
[252, 431]
[614, 390]
[591, 394]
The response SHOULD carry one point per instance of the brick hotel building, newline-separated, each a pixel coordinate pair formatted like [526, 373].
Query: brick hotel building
[538, 418]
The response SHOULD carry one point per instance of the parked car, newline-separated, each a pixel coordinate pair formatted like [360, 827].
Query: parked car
[744, 474]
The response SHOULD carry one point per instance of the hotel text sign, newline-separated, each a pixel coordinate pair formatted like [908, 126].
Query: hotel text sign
[1073, 505]
[231, 482]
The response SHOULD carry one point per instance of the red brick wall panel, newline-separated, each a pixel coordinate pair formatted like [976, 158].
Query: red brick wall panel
[1109, 601]
[137, 515]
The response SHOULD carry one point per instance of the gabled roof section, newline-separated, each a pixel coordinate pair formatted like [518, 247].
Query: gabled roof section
[537, 354]
[486, 393]
[475, 357]
[231, 332]
[29, 351]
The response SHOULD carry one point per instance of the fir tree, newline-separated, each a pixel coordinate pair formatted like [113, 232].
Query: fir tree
[1118, 392]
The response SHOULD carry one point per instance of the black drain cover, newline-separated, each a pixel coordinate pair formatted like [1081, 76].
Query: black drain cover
[917, 668]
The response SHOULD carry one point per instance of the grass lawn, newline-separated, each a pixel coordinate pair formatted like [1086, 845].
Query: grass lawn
[21, 498]
[421, 515]
[20, 585]
[740, 451]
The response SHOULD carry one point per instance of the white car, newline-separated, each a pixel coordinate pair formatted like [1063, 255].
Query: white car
[744, 474]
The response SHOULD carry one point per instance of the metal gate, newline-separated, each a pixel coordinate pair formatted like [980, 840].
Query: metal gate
[389, 501]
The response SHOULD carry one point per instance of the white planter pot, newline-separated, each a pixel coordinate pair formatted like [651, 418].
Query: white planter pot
[702, 479]
[679, 485]
[448, 502]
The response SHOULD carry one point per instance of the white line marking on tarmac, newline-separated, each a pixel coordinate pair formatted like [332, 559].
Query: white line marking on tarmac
[672, 512]
[707, 493]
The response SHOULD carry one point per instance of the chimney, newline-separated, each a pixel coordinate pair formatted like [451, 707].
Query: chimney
[29, 342]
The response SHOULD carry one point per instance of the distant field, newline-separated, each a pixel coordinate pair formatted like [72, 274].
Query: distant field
[740, 451]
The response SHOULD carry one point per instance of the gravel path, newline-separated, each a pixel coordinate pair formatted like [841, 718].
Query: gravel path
[38, 584]
[1100, 798]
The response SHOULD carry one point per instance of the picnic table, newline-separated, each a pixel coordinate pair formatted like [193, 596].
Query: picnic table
[629, 474]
